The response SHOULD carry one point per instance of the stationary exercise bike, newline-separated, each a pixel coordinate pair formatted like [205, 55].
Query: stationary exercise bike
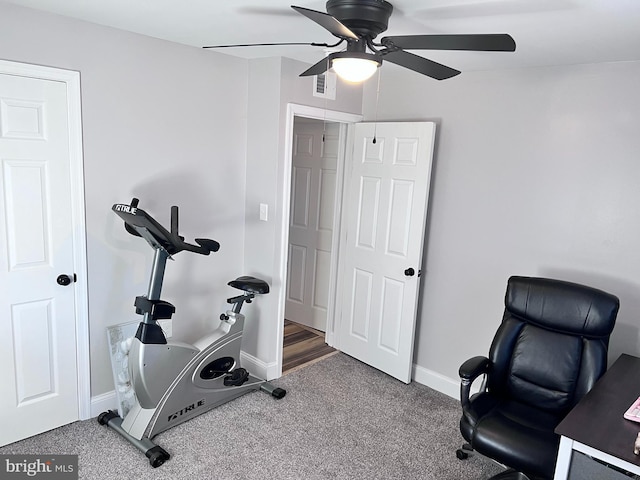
[173, 381]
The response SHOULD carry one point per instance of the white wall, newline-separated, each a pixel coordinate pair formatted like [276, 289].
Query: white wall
[163, 122]
[536, 172]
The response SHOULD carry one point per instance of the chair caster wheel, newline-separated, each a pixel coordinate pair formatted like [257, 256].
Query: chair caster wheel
[461, 454]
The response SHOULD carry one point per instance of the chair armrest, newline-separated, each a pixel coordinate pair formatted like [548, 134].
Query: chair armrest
[473, 368]
[469, 371]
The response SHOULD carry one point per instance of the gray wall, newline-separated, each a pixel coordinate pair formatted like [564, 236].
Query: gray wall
[172, 124]
[163, 122]
[536, 172]
[273, 84]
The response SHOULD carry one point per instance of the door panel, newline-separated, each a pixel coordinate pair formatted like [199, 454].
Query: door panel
[313, 191]
[37, 315]
[360, 317]
[296, 274]
[382, 235]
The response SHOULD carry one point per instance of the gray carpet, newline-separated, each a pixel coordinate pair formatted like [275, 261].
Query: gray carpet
[340, 420]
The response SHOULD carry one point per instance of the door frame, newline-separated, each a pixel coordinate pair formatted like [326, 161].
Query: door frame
[282, 243]
[72, 81]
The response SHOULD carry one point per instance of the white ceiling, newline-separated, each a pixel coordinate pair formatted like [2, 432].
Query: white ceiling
[547, 32]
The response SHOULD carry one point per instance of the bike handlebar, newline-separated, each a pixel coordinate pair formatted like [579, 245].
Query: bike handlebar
[140, 223]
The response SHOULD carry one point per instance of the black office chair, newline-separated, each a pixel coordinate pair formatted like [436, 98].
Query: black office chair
[549, 351]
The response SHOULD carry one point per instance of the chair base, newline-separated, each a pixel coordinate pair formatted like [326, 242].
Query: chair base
[464, 452]
[509, 474]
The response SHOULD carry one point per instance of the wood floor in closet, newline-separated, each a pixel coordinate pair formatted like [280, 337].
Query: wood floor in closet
[303, 346]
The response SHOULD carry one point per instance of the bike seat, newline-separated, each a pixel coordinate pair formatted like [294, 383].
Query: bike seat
[250, 284]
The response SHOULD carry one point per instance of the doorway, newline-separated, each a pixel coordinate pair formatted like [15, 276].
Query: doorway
[311, 220]
[315, 150]
[309, 265]
[385, 211]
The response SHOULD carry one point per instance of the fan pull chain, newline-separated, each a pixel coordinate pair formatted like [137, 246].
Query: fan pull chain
[375, 117]
[324, 120]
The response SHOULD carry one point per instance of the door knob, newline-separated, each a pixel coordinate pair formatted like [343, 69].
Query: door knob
[409, 272]
[65, 280]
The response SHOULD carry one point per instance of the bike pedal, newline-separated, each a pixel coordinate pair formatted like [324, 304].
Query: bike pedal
[237, 378]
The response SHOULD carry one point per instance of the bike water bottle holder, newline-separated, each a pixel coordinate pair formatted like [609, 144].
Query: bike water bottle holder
[158, 309]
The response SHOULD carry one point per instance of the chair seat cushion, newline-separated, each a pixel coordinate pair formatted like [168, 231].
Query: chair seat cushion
[512, 433]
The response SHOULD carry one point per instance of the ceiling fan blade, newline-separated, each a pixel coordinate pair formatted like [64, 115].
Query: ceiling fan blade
[313, 44]
[328, 22]
[421, 65]
[320, 67]
[273, 11]
[491, 42]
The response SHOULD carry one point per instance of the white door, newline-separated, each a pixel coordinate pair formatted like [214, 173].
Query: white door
[313, 192]
[382, 237]
[39, 387]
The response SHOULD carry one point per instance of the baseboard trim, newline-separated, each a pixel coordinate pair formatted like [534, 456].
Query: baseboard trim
[258, 368]
[436, 381]
[103, 402]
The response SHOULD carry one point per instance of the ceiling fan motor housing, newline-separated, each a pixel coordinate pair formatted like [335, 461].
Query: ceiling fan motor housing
[363, 17]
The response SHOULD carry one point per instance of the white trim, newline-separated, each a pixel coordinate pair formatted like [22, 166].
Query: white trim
[436, 381]
[72, 81]
[103, 402]
[442, 384]
[257, 367]
[295, 110]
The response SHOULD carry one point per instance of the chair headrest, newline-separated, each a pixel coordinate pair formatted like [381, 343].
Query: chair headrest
[562, 306]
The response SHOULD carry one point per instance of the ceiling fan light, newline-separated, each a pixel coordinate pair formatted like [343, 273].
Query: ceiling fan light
[355, 70]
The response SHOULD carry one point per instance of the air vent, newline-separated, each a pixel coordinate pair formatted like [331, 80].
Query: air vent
[321, 83]
[324, 85]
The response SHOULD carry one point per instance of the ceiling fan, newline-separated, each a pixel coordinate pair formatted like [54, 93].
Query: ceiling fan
[359, 22]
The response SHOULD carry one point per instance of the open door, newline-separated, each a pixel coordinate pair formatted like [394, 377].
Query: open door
[381, 243]
[316, 146]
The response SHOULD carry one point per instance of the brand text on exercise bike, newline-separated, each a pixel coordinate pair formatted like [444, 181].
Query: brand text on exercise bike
[189, 408]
